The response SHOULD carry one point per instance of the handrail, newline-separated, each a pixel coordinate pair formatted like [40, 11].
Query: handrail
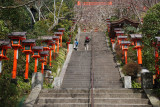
[92, 73]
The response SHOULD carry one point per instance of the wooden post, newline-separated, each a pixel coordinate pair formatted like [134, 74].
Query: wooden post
[15, 64]
[139, 56]
[50, 58]
[42, 67]
[36, 64]
[58, 46]
[27, 66]
[125, 53]
[61, 41]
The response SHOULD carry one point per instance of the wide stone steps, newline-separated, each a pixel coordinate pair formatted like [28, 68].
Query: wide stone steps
[108, 89]
[81, 90]
[99, 95]
[88, 105]
[96, 100]
[102, 98]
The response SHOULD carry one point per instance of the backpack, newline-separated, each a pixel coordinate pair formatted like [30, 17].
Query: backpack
[87, 39]
[76, 43]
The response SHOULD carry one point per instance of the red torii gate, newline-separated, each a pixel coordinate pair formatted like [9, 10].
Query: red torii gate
[93, 3]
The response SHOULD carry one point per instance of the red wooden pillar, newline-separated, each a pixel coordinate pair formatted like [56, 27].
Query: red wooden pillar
[60, 34]
[137, 40]
[43, 55]
[61, 30]
[16, 40]
[15, 63]
[36, 54]
[35, 65]
[27, 50]
[139, 50]
[27, 66]
[125, 45]
[56, 38]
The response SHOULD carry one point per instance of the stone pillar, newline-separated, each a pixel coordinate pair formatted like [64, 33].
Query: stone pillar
[127, 82]
[37, 78]
[147, 80]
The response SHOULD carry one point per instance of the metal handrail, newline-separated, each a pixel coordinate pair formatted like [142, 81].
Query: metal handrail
[92, 73]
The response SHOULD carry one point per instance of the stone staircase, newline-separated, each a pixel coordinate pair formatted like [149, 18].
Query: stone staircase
[102, 98]
[108, 90]
[78, 71]
[106, 75]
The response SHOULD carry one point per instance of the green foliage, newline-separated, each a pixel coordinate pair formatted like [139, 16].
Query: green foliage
[132, 54]
[41, 28]
[57, 63]
[3, 30]
[118, 52]
[9, 92]
[130, 29]
[151, 22]
[15, 19]
[150, 28]
[136, 85]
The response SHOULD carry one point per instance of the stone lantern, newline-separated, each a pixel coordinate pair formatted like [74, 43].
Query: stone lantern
[48, 44]
[60, 34]
[137, 38]
[52, 47]
[119, 33]
[36, 54]
[112, 42]
[68, 45]
[43, 59]
[28, 44]
[16, 41]
[56, 38]
[125, 45]
[117, 29]
[121, 38]
[4, 45]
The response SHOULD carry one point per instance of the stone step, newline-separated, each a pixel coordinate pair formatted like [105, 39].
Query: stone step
[96, 90]
[88, 105]
[108, 86]
[96, 95]
[96, 100]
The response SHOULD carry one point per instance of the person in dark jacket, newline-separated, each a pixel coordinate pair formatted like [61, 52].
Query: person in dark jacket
[87, 40]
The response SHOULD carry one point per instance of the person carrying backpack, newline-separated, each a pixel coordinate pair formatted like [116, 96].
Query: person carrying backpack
[75, 44]
[87, 40]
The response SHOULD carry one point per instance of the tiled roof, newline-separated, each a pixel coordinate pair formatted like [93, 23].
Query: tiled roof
[61, 29]
[29, 41]
[17, 34]
[37, 47]
[44, 53]
[45, 37]
[58, 33]
[125, 42]
[4, 42]
[121, 37]
[136, 36]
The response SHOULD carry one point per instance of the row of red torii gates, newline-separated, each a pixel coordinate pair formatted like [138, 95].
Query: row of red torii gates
[18, 41]
[117, 36]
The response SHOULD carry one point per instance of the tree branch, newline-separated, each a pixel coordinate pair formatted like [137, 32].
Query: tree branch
[13, 7]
